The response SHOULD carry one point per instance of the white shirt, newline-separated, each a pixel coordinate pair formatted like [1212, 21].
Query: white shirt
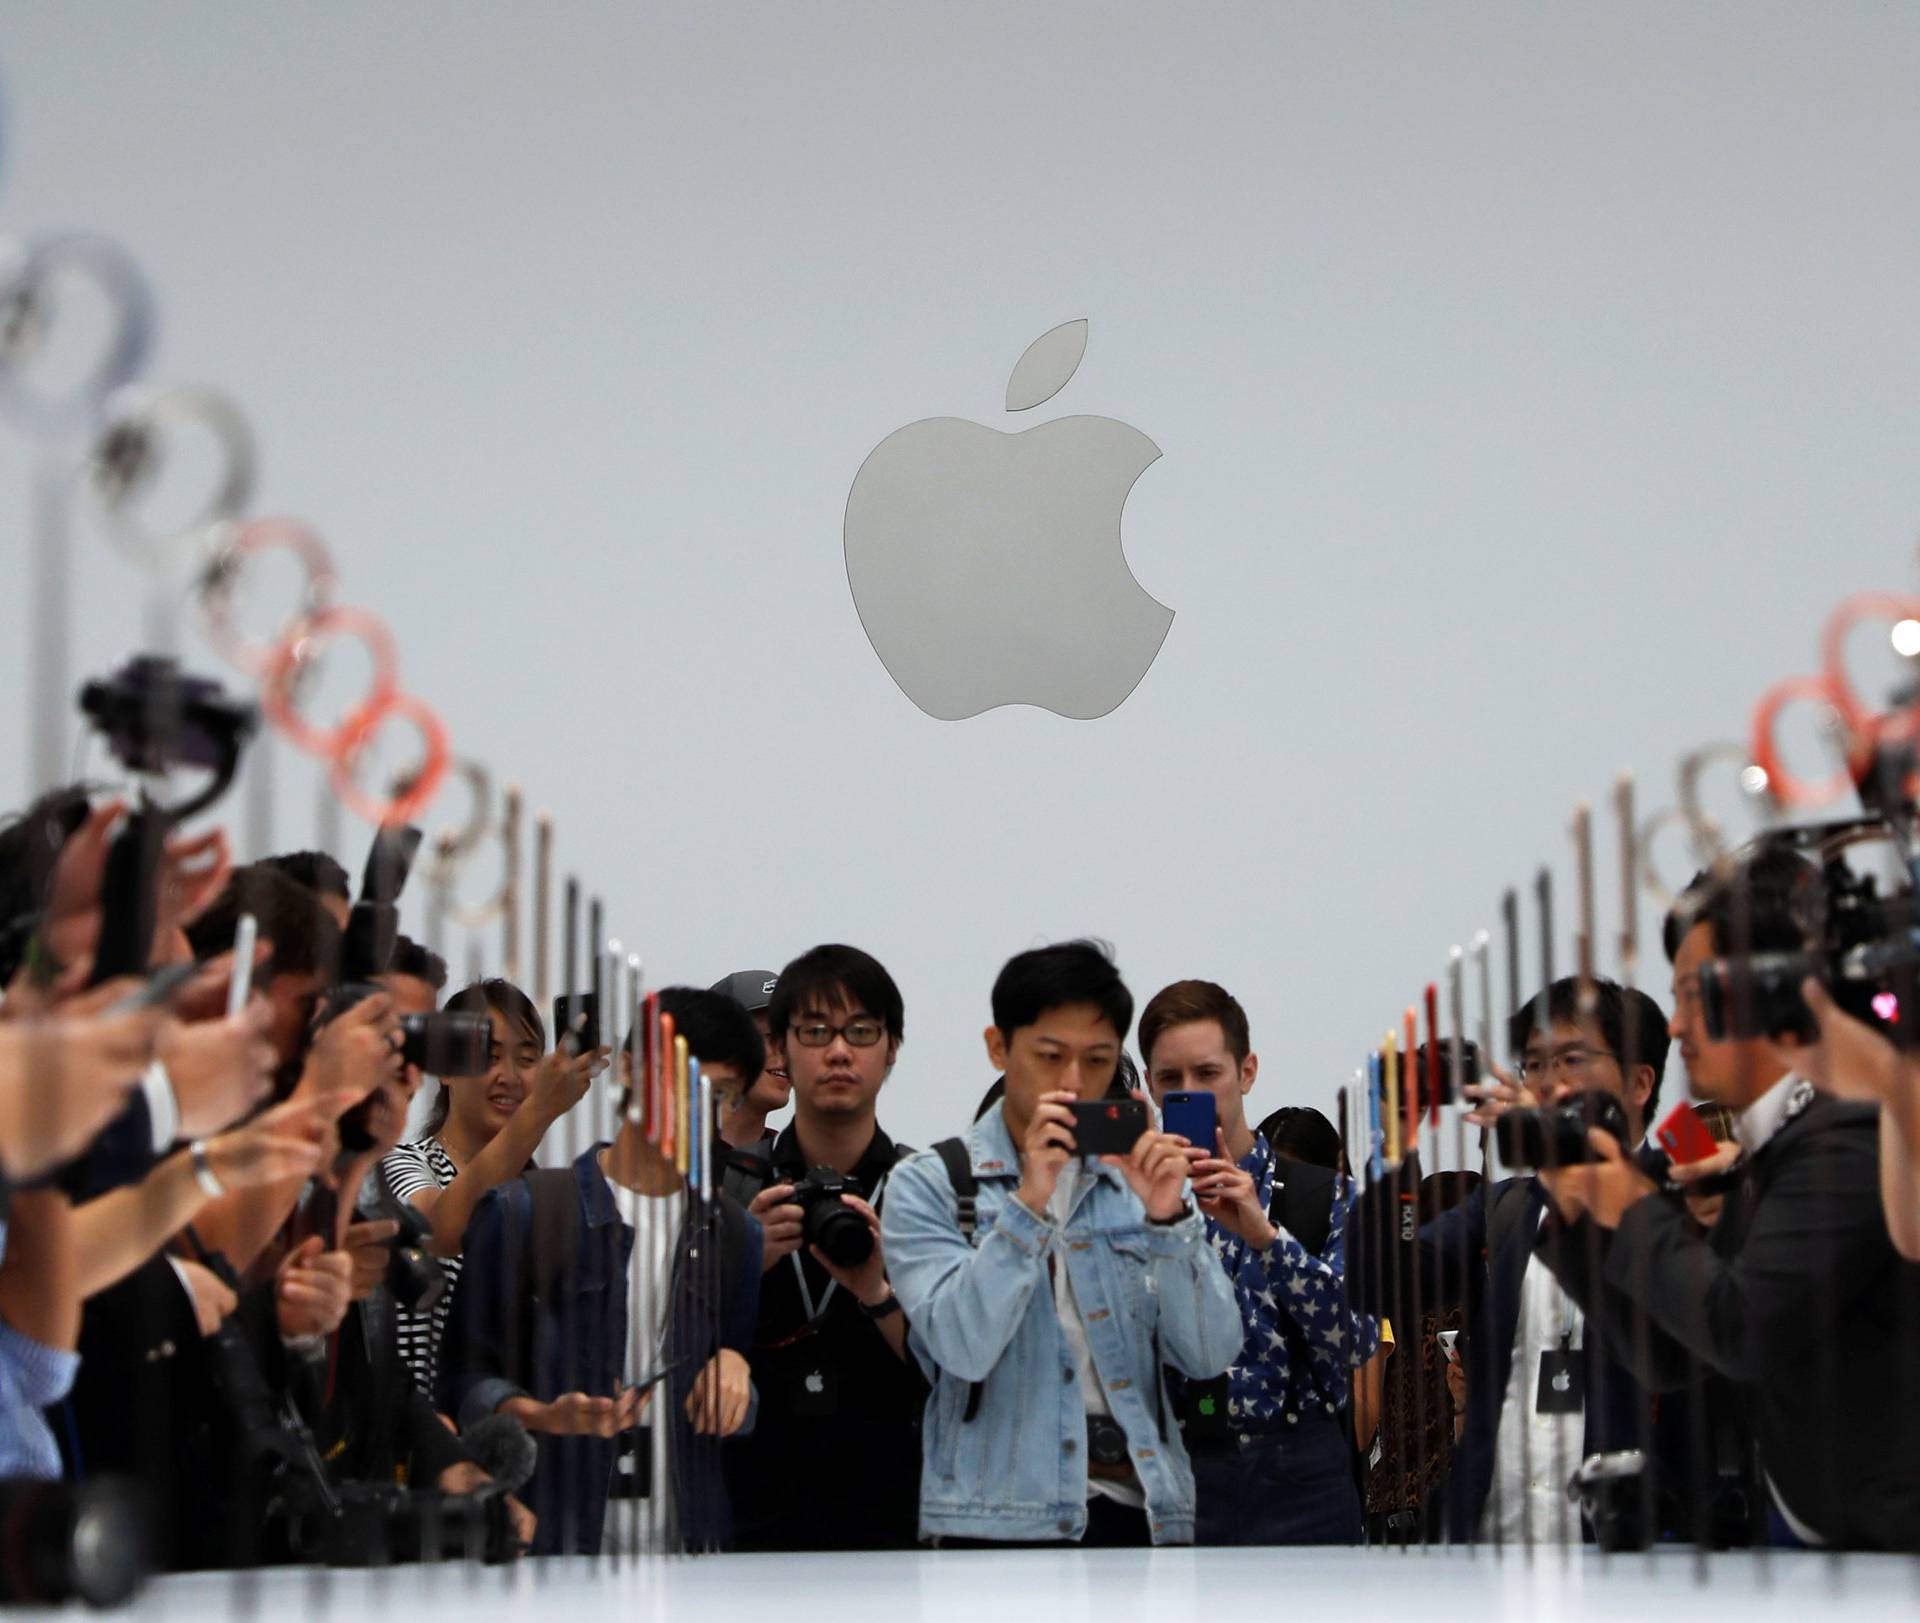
[1073, 1331]
[1534, 1454]
[656, 1221]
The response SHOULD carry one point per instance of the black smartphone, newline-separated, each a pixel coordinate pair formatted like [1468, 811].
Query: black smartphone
[1415, 1065]
[1107, 1126]
[1194, 1117]
[576, 1022]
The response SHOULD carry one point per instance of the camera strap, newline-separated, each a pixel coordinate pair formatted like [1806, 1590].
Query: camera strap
[817, 1316]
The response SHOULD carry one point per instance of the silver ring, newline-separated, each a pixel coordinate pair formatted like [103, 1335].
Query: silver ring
[1709, 847]
[454, 849]
[130, 449]
[28, 272]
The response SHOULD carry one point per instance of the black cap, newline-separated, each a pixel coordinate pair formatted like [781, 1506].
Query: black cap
[752, 989]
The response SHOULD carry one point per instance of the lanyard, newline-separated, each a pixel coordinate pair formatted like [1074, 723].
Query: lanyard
[816, 1314]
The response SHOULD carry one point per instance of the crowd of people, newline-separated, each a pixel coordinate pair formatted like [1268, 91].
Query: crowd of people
[232, 1277]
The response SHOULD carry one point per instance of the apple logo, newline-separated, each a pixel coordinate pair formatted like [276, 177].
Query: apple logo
[1563, 1382]
[816, 1382]
[987, 567]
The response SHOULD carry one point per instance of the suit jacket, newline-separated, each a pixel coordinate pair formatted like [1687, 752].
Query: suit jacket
[1799, 1297]
[534, 1323]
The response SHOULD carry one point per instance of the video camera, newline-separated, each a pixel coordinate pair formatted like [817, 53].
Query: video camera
[1861, 945]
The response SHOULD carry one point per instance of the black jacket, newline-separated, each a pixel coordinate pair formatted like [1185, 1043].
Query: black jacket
[1800, 1298]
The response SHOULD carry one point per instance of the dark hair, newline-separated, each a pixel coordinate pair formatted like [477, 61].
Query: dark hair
[305, 939]
[1183, 1003]
[836, 974]
[1611, 1002]
[718, 1030]
[485, 997]
[421, 963]
[1301, 1133]
[1054, 977]
[30, 847]
[319, 872]
[1749, 903]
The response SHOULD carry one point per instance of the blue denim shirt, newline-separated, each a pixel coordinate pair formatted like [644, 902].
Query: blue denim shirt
[1018, 1469]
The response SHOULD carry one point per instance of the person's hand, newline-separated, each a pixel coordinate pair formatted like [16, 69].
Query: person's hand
[1048, 1146]
[577, 1414]
[70, 922]
[369, 1248]
[868, 1282]
[1603, 1189]
[312, 1290]
[1494, 1099]
[1852, 1060]
[560, 1081]
[356, 1051]
[220, 1069]
[466, 1477]
[284, 1142]
[717, 1405]
[781, 1223]
[1227, 1194]
[193, 872]
[63, 1078]
[212, 1300]
[204, 997]
[1705, 1208]
[1156, 1171]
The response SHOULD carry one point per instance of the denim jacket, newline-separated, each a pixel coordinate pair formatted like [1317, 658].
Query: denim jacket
[985, 1313]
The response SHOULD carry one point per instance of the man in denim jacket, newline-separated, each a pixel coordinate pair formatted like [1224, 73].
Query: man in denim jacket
[1045, 1334]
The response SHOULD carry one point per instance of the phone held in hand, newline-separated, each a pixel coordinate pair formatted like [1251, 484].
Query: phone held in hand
[1449, 1344]
[576, 1022]
[1192, 1116]
[1684, 1136]
[1107, 1126]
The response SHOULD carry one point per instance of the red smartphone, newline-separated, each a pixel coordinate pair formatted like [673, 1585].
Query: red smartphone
[1684, 1136]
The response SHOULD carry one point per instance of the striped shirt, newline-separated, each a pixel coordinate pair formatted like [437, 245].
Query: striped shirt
[423, 1164]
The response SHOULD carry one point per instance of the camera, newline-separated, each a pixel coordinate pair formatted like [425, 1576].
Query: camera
[153, 718]
[1614, 1492]
[1557, 1136]
[373, 1524]
[836, 1228]
[65, 1540]
[415, 1278]
[1861, 945]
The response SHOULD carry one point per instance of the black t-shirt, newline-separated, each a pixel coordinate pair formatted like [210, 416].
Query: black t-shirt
[834, 1458]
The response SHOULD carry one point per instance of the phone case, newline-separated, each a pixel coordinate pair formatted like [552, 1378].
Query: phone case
[1684, 1136]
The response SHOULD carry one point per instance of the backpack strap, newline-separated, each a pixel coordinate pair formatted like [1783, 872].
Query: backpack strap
[958, 1161]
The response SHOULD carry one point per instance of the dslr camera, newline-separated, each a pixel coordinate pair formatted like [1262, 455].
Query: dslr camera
[836, 1228]
[1861, 945]
[1557, 1136]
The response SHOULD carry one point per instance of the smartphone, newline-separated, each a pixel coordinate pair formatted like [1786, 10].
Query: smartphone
[1194, 1117]
[1449, 1344]
[1684, 1136]
[158, 988]
[1414, 1065]
[576, 1020]
[1107, 1126]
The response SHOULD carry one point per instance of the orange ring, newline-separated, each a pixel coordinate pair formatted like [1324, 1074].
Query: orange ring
[293, 649]
[404, 807]
[1781, 784]
[1848, 613]
[256, 536]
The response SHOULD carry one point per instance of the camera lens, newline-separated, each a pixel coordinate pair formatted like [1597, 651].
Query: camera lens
[840, 1232]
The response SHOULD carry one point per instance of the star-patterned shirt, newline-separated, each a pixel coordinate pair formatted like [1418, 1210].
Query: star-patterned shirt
[1287, 1284]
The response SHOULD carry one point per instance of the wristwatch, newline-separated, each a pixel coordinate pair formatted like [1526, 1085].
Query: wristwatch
[1186, 1211]
[883, 1310]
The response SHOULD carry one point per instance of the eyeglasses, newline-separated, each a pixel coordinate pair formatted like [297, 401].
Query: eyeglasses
[861, 1033]
[1575, 1062]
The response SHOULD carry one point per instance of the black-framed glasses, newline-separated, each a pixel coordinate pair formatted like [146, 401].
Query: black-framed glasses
[862, 1032]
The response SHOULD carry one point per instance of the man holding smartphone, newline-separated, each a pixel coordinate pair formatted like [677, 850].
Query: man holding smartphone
[1046, 1286]
[1271, 1458]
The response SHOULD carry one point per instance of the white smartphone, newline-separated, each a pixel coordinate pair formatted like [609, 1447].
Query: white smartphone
[1449, 1344]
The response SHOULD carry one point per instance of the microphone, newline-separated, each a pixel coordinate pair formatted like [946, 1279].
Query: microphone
[502, 1448]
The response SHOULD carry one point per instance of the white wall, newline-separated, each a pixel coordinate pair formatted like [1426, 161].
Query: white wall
[1529, 380]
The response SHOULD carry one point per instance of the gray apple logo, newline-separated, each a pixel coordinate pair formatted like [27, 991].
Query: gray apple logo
[987, 568]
